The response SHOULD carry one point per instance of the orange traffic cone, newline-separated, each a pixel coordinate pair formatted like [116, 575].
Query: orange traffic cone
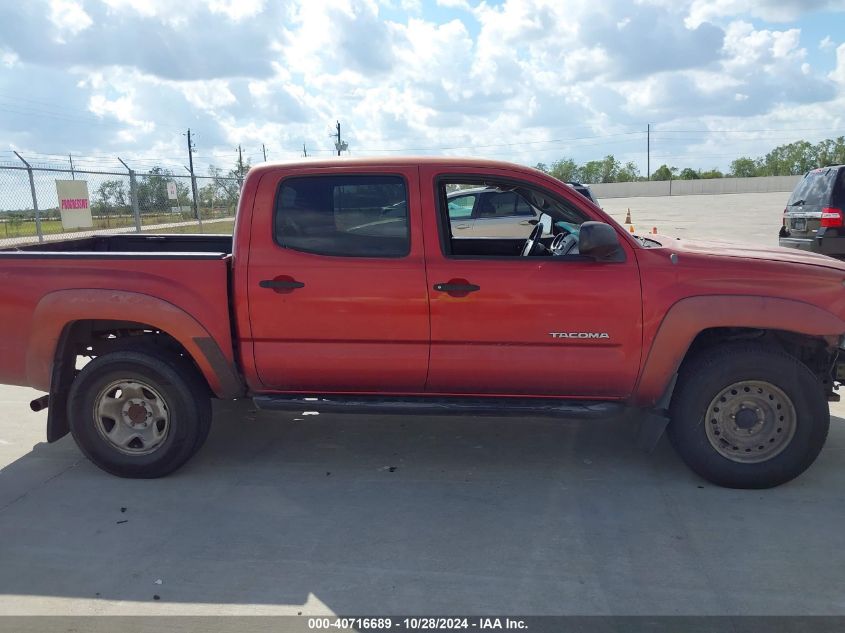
[628, 217]
[654, 230]
[631, 228]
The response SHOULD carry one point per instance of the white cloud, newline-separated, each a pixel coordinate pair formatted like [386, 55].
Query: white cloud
[185, 12]
[838, 74]
[336, 35]
[123, 109]
[253, 72]
[454, 4]
[770, 10]
[237, 9]
[826, 43]
[208, 95]
[752, 50]
[69, 18]
[8, 58]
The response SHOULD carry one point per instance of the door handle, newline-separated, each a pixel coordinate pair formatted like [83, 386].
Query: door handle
[457, 287]
[282, 284]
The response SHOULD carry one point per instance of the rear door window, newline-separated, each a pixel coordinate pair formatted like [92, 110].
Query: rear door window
[346, 216]
[838, 199]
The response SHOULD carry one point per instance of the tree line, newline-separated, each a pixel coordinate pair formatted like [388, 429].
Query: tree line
[220, 193]
[791, 159]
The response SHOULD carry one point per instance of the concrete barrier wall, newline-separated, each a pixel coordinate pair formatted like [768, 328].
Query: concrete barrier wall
[763, 184]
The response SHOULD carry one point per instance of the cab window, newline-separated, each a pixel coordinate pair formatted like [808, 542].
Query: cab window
[503, 204]
[347, 216]
[505, 215]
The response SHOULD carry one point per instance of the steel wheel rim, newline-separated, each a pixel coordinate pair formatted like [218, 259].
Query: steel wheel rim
[750, 421]
[132, 416]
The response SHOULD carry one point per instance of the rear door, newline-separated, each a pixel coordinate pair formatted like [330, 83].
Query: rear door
[803, 213]
[336, 282]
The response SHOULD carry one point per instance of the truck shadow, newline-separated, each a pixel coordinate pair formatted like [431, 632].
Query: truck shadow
[387, 515]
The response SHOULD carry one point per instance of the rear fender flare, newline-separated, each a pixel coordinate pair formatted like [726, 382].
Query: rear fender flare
[689, 317]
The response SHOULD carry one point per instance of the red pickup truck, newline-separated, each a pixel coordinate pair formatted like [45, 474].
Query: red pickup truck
[344, 289]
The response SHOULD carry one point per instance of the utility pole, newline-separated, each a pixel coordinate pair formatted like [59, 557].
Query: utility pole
[648, 151]
[193, 178]
[304, 151]
[240, 167]
[339, 143]
[199, 217]
[72, 173]
[264, 149]
[338, 139]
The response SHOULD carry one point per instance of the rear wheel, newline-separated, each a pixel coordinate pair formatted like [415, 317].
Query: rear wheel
[139, 414]
[748, 416]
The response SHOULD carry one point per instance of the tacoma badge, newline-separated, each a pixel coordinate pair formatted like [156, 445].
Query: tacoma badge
[579, 335]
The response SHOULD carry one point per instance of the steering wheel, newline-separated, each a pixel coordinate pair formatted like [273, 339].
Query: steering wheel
[532, 240]
[563, 244]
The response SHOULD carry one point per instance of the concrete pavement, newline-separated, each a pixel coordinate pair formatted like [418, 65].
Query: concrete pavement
[754, 218]
[286, 514]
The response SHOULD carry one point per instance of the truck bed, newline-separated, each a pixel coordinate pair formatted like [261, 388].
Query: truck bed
[148, 279]
[131, 243]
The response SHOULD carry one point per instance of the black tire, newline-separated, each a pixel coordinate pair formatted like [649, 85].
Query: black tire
[183, 392]
[704, 377]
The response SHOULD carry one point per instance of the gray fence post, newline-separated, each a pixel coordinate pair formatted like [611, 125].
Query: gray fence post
[133, 195]
[34, 199]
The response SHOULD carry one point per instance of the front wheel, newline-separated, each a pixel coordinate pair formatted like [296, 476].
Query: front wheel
[748, 416]
[139, 414]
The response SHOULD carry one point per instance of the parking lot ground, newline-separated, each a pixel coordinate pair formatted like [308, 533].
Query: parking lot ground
[284, 514]
[754, 218]
[313, 514]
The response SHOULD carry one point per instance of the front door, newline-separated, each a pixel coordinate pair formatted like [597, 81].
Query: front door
[337, 283]
[510, 325]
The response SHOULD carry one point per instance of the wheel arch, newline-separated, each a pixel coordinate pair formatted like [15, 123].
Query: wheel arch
[691, 324]
[68, 322]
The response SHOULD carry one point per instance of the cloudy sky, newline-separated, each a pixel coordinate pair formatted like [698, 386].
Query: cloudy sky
[521, 80]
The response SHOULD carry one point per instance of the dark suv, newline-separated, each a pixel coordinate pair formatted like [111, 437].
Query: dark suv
[584, 190]
[813, 217]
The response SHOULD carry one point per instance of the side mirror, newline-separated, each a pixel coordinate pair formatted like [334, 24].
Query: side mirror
[600, 241]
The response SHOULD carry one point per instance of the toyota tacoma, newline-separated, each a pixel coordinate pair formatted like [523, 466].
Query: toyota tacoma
[323, 301]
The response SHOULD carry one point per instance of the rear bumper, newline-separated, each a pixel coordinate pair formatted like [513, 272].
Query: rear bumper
[833, 246]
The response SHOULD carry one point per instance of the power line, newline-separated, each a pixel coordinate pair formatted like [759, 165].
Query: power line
[52, 111]
[784, 130]
[491, 145]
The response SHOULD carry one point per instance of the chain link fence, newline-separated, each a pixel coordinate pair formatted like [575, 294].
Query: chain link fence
[36, 205]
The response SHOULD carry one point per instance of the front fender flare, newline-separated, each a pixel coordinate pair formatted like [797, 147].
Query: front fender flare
[689, 317]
